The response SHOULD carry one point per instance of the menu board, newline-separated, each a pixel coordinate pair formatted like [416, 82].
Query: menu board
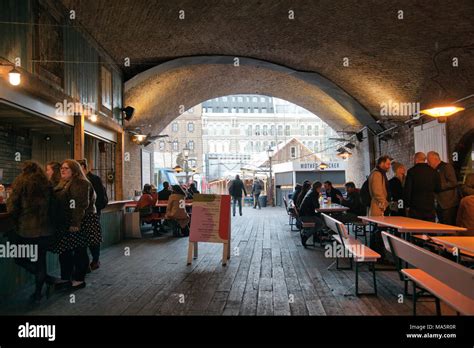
[210, 220]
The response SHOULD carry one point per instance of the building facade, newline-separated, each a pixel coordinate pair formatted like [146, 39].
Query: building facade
[184, 132]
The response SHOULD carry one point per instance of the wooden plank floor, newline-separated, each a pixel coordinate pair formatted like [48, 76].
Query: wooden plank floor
[269, 273]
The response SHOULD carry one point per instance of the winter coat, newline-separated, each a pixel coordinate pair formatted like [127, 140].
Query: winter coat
[175, 212]
[76, 198]
[421, 183]
[30, 212]
[378, 188]
[448, 196]
[236, 188]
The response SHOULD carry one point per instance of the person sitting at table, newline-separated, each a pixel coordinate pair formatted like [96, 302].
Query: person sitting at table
[465, 215]
[332, 192]
[304, 190]
[193, 190]
[294, 195]
[164, 194]
[146, 201]
[176, 212]
[308, 212]
[353, 202]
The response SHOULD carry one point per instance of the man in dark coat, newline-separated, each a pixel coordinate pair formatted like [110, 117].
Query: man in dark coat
[332, 192]
[421, 183]
[353, 202]
[447, 199]
[100, 203]
[164, 194]
[235, 190]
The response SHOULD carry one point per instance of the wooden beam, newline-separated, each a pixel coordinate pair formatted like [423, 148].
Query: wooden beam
[78, 136]
[119, 166]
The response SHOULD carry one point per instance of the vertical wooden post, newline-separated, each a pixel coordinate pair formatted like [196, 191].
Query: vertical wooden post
[78, 136]
[119, 166]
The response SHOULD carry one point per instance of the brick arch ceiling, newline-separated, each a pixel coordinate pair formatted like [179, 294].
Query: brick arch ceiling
[161, 93]
[406, 60]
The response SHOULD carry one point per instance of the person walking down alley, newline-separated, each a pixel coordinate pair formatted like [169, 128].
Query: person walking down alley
[257, 188]
[100, 203]
[447, 199]
[236, 189]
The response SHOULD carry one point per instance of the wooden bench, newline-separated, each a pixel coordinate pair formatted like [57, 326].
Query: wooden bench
[446, 280]
[357, 251]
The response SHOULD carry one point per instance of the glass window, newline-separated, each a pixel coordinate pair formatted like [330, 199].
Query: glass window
[280, 130]
[233, 99]
[249, 130]
[240, 99]
[272, 130]
[234, 110]
[264, 110]
[162, 145]
[106, 87]
[310, 130]
[302, 130]
[257, 130]
[241, 110]
[255, 110]
[262, 99]
[175, 145]
[287, 130]
[174, 127]
[190, 127]
[224, 99]
[191, 145]
[226, 110]
[265, 130]
[293, 152]
[255, 99]
[316, 130]
[209, 109]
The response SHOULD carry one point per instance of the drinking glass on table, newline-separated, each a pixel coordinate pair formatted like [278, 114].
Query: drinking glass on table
[329, 200]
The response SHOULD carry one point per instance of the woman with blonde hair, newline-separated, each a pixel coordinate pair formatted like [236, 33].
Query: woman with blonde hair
[176, 211]
[76, 198]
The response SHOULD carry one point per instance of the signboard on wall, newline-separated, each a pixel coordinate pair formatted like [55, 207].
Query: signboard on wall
[431, 137]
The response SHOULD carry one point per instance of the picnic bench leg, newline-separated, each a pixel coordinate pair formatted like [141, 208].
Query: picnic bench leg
[357, 277]
[195, 250]
[375, 279]
[438, 306]
[414, 298]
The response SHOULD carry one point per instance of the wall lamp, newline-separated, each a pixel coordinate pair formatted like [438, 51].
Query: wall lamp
[14, 76]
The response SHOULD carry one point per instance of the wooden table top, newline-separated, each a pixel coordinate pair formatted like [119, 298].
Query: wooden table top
[465, 243]
[328, 208]
[406, 224]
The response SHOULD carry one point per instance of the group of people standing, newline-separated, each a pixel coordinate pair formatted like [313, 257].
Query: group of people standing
[427, 191]
[58, 210]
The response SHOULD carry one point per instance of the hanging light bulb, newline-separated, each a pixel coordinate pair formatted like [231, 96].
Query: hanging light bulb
[93, 118]
[14, 77]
